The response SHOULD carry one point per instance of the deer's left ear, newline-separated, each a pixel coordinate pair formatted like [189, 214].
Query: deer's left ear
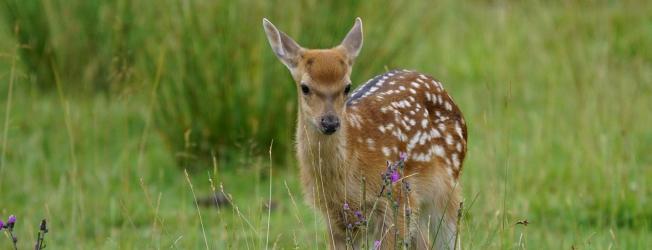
[352, 43]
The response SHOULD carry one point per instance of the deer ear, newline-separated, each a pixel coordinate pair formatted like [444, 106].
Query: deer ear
[286, 49]
[352, 43]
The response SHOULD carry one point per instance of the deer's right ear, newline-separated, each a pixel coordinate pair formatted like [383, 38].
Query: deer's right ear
[286, 49]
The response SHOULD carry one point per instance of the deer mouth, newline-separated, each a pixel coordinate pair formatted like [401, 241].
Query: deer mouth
[328, 131]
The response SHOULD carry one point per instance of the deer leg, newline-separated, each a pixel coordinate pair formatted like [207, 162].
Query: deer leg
[440, 220]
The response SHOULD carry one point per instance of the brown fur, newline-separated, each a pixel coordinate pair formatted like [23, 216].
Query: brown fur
[391, 119]
[333, 166]
[324, 66]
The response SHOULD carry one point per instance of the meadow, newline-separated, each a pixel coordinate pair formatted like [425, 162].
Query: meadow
[117, 118]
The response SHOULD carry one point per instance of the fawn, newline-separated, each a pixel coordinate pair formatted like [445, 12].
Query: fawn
[345, 139]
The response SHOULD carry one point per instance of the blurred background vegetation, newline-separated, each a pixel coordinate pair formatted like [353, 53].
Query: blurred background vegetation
[104, 102]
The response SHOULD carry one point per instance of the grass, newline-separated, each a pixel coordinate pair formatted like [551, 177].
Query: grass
[557, 96]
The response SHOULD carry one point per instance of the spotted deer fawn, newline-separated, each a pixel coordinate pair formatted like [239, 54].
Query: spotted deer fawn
[345, 139]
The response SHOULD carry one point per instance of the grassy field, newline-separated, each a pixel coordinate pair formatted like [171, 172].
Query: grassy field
[557, 95]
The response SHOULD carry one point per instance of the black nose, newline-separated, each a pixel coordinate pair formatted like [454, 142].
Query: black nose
[329, 124]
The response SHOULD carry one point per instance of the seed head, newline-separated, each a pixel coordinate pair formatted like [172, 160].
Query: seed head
[44, 226]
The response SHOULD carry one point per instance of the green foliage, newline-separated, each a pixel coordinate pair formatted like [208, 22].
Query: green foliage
[219, 87]
[87, 44]
[223, 88]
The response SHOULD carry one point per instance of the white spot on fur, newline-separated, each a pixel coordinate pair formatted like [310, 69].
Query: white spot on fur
[439, 150]
[399, 135]
[370, 143]
[449, 139]
[437, 84]
[442, 127]
[434, 133]
[456, 161]
[424, 123]
[386, 151]
[356, 120]
[424, 137]
[458, 129]
[413, 141]
[448, 106]
[421, 157]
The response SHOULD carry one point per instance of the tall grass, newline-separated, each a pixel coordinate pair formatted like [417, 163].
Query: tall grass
[556, 95]
[223, 86]
[88, 43]
[221, 89]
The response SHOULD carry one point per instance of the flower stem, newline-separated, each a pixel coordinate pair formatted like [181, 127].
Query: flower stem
[13, 239]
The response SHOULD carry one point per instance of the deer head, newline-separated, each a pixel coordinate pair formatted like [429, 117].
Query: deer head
[322, 76]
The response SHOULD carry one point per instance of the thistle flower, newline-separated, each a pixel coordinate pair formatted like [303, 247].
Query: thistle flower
[395, 176]
[11, 220]
[2, 225]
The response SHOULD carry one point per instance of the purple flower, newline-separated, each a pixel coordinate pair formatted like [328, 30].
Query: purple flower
[359, 215]
[376, 245]
[403, 156]
[11, 220]
[346, 206]
[395, 176]
[2, 225]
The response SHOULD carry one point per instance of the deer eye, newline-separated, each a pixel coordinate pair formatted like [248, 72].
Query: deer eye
[304, 89]
[347, 89]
